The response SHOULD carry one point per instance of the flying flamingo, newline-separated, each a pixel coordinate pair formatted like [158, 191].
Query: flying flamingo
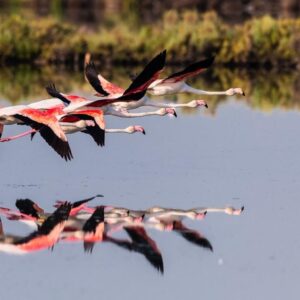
[45, 237]
[118, 103]
[136, 90]
[172, 84]
[96, 80]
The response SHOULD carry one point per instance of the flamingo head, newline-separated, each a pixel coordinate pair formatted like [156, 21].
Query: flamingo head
[201, 103]
[168, 111]
[201, 215]
[233, 91]
[233, 211]
[136, 128]
[195, 215]
[197, 103]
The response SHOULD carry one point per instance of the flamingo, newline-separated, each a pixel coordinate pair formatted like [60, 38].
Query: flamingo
[77, 126]
[195, 213]
[45, 237]
[54, 107]
[43, 120]
[172, 84]
[154, 214]
[96, 80]
[229, 210]
[118, 104]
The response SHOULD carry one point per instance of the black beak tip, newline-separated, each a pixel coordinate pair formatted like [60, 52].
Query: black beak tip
[144, 132]
[243, 93]
[175, 114]
[242, 208]
[206, 105]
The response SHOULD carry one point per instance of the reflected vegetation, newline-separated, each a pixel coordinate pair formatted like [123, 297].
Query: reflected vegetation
[265, 90]
[81, 222]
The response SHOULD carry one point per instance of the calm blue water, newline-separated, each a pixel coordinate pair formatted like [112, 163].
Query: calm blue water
[238, 157]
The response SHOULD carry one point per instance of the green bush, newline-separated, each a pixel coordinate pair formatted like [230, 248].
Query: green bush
[187, 36]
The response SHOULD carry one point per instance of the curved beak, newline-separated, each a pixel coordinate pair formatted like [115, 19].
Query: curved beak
[206, 105]
[175, 114]
[243, 93]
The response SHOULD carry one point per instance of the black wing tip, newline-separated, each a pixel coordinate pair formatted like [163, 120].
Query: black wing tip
[96, 218]
[88, 247]
[53, 92]
[61, 214]
[91, 74]
[79, 202]
[159, 60]
[63, 210]
[66, 152]
[144, 78]
[202, 64]
[206, 63]
[163, 55]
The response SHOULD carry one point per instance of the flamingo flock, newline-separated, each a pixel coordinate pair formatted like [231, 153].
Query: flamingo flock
[65, 114]
[79, 222]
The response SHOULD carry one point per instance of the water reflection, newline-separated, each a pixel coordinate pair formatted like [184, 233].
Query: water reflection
[81, 222]
[265, 90]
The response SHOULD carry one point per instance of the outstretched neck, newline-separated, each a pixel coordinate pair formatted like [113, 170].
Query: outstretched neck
[192, 90]
[116, 130]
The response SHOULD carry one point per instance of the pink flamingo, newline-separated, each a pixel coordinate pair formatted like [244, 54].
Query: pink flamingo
[172, 84]
[100, 84]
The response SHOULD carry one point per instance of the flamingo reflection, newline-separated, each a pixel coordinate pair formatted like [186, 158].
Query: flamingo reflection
[81, 222]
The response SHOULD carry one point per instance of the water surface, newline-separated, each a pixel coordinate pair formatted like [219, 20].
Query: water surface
[238, 155]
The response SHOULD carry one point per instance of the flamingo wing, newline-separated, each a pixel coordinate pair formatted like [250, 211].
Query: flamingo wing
[52, 134]
[93, 222]
[189, 71]
[99, 85]
[145, 245]
[28, 207]
[83, 201]
[93, 225]
[140, 83]
[38, 239]
[61, 147]
[191, 235]
[97, 132]
[148, 75]
[53, 92]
